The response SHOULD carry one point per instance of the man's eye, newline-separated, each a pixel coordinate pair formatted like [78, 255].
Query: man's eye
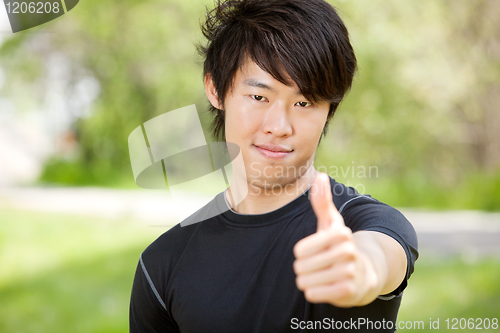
[258, 98]
[304, 104]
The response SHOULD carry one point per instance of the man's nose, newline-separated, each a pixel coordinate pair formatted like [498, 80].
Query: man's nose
[277, 121]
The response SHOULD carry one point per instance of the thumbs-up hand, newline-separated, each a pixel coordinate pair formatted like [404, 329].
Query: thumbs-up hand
[329, 266]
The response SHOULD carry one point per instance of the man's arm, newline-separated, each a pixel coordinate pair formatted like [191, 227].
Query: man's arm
[341, 268]
[148, 312]
[387, 257]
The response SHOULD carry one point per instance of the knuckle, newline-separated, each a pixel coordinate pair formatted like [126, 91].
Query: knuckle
[348, 289]
[299, 282]
[344, 234]
[309, 296]
[372, 283]
[347, 232]
[350, 251]
[296, 267]
[312, 297]
[350, 272]
[332, 270]
[297, 250]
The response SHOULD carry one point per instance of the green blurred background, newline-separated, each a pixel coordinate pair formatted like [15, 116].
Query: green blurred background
[423, 111]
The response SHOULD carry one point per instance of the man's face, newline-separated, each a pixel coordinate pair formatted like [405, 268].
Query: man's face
[276, 128]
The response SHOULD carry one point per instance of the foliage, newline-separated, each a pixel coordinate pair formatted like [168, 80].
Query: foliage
[423, 108]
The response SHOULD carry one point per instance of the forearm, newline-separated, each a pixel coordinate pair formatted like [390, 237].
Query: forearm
[372, 264]
[383, 264]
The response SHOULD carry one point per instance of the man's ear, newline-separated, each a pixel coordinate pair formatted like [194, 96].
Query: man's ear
[211, 92]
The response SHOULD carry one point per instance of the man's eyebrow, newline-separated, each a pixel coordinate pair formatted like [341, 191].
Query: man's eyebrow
[258, 84]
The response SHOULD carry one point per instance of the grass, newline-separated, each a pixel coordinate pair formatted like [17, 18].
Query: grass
[452, 289]
[84, 296]
[65, 273]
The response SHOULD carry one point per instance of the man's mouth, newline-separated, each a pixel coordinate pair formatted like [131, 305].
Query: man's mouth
[273, 151]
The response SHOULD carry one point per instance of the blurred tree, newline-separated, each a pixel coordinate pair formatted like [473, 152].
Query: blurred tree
[423, 108]
[141, 53]
[478, 45]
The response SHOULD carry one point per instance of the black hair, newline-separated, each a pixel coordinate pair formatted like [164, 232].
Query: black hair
[304, 39]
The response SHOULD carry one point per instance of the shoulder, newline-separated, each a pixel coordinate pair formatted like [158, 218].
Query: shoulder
[165, 251]
[346, 197]
[349, 201]
[362, 212]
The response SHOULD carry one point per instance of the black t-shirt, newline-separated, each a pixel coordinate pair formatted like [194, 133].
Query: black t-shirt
[234, 272]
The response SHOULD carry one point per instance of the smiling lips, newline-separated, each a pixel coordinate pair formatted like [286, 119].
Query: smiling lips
[273, 151]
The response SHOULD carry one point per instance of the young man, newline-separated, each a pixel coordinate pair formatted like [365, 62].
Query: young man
[300, 251]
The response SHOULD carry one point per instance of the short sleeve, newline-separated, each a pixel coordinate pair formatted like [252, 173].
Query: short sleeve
[148, 312]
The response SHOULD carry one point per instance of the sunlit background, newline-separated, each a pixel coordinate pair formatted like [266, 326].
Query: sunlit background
[420, 130]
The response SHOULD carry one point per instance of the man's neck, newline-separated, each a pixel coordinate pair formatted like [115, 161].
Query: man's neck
[264, 200]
